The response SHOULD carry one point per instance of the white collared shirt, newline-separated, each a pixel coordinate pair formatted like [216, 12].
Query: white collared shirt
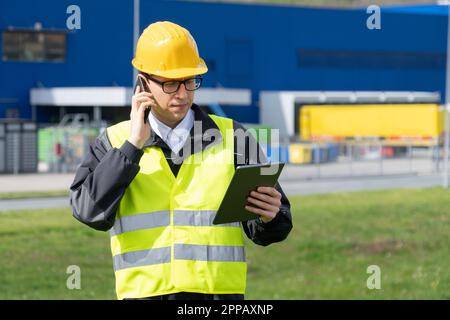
[175, 138]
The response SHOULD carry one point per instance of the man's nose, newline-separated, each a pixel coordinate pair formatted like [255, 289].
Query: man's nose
[182, 92]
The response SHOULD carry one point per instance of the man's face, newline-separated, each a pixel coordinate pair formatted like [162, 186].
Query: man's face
[172, 107]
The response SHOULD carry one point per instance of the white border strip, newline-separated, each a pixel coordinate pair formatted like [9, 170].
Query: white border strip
[121, 96]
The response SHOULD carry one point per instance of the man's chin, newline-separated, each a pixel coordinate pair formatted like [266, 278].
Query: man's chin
[179, 112]
[180, 109]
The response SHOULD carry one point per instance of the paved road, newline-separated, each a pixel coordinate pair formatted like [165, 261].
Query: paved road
[290, 184]
[292, 187]
[342, 169]
[342, 176]
[35, 182]
[38, 203]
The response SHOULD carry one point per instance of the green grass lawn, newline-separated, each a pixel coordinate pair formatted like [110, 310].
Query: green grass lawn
[335, 238]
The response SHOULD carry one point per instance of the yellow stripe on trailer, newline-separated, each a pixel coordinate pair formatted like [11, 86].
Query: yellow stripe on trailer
[371, 120]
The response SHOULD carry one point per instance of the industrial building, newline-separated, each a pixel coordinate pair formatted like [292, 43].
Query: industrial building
[263, 59]
[47, 70]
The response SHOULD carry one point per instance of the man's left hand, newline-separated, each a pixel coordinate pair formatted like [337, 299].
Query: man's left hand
[265, 202]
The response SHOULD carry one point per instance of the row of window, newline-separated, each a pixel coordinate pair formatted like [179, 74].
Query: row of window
[34, 46]
[50, 46]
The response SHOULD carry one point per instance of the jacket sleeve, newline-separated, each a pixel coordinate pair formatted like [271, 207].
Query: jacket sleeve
[259, 232]
[101, 180]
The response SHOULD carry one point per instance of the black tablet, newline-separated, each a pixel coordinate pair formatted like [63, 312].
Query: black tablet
[246, 179]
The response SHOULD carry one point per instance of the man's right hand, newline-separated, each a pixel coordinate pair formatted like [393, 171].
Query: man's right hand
[140, 131]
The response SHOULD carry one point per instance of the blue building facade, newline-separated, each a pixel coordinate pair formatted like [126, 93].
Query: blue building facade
[255, 47]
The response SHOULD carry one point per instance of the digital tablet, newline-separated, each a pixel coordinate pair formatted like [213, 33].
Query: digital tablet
[246, 179]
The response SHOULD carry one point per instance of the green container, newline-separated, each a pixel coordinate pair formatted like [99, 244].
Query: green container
[66, 136]
[262, 133]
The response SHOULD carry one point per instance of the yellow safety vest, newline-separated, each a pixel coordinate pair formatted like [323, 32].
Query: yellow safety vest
[163, 240]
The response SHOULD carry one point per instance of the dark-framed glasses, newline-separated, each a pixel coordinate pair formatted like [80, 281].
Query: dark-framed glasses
[172, 86]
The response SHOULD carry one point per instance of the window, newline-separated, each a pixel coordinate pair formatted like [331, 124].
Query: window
[324, 58]
[34, 46]
[12, 113]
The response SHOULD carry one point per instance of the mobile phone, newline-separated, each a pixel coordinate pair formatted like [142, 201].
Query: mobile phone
[143, 86]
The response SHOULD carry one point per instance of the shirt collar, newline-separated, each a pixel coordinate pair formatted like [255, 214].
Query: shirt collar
[163, 131]
[199, 115]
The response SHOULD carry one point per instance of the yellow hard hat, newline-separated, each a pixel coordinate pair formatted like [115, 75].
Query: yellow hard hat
[168, 50]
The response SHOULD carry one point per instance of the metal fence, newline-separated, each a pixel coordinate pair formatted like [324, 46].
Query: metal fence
[63, 147]
[18, 150]
[360, 158]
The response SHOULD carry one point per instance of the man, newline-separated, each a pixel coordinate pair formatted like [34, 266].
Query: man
[145, 183]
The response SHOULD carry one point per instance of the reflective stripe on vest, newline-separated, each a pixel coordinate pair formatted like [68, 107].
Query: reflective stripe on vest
[140, 222]
[181, 252]
[157, 219]
[209, 253]
[198, 218]
[141, 258]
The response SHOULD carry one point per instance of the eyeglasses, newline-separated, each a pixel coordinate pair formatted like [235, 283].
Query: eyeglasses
[190, 84]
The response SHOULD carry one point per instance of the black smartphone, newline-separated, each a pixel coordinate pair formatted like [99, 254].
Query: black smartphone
[143, 86]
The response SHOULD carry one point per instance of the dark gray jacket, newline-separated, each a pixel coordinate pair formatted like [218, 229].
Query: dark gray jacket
[105, 173]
